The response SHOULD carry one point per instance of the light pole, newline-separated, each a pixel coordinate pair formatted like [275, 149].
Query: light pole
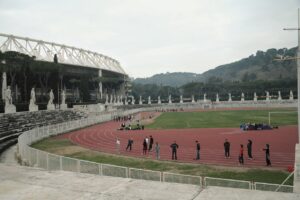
[297, 151]
[298, 70]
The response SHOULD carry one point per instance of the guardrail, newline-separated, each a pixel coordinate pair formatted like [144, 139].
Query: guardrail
[51, 162]
[208, 181]
[273, 187]
[180, 178]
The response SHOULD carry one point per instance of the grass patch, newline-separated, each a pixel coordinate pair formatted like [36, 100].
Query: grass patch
[52, 144]
[221, 119]
[66, 148]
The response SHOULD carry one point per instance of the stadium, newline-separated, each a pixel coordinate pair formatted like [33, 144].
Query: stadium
[82, 148]
[85, 76]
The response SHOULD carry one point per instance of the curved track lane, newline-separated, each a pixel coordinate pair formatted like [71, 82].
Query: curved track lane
[102, 137]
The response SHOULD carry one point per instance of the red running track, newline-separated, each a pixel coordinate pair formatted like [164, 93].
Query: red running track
[102, 137]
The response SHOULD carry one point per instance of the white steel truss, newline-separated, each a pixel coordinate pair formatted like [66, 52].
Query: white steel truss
[45, 51]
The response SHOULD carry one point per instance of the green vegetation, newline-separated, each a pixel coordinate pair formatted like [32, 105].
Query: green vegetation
[51, 144]
[214, 86]
[174, 79]
[219, 119]
[260, 66]
[257, 73]
[66, 148]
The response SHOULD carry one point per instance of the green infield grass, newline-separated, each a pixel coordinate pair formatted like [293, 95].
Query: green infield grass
[222, 119]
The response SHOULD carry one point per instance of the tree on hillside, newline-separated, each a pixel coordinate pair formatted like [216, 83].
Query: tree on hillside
[27, 62]
[12, 65]
[43, 70]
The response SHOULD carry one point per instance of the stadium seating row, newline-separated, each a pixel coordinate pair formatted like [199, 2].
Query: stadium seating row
[12, 125]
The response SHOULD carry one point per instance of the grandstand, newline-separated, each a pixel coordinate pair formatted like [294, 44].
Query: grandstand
[26, 63]
[86, 76]
[12, 125]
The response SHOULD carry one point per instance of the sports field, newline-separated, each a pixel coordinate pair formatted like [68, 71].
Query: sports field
[222, 119]
[97, 143]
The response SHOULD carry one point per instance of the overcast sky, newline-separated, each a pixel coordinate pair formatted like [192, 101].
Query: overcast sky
[157, 36]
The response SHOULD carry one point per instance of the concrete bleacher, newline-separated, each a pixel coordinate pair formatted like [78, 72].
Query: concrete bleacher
[12, 125]
[31, 183]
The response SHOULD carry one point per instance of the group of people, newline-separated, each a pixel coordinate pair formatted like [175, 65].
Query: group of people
[148, 145]
[149, 141]
[169, 110]
[249, 150]
[129, 127]
[118, 118]
[255, 126]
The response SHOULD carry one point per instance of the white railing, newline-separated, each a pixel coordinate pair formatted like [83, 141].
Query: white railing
[209, 181]
[145, 174]
[179, 178]
[225, 104]
[51, 162]
[273, 187]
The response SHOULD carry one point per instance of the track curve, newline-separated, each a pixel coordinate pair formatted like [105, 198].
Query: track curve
[102, 137]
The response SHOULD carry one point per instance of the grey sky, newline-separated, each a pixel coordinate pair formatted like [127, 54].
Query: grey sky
[157, 36]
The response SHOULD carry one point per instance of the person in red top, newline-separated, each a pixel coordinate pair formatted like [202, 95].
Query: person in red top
[241, 155]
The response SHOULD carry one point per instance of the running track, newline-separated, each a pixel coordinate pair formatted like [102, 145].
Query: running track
[282, 142]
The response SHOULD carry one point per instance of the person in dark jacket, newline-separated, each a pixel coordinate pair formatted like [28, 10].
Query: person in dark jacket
[174, 148]
[129, 144]
[197, 150]
[227, 148]
[150, 143]
[144, 147]
[241, 155]
[249, 149]
[267, 150]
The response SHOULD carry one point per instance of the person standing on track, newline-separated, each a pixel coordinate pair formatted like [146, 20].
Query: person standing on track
[150, 143]
[227, 148]
[144, 147]
[241, 155]
[197, 150]
[147, 142]
[267, 150]
[249, 149]
[174, 147]
[129, 145]
[118, 143]
[157, 151]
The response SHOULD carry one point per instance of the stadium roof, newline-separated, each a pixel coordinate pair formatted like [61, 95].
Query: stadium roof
[45, 51]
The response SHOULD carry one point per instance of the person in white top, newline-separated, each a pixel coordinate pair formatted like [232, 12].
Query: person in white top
[147, 141]
[118, 143]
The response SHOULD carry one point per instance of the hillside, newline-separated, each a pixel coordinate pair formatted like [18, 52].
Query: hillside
[260, 66]
[171, 79]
